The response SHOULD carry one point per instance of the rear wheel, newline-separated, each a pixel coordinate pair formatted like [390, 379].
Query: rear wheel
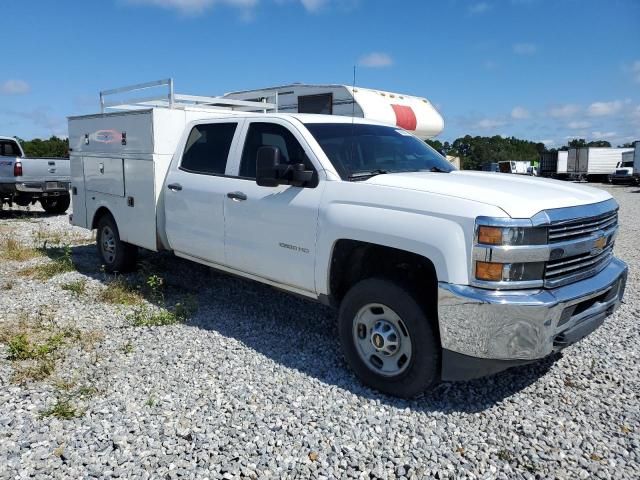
[56, 205]
[387, 338]
[116, 255]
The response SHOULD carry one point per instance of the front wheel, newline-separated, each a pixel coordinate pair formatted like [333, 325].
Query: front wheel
[387, 338]
[56, 205]
[116, 255]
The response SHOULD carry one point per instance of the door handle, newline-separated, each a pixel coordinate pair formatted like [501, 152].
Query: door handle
[174, 187]
[237, 196]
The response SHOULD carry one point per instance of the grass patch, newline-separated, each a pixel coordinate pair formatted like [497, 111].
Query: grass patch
[145, 316]
[128, 348]
[61, 262]
[62, 409]
[34, 347]
[11, 249]
[120, 292]
[78, 287]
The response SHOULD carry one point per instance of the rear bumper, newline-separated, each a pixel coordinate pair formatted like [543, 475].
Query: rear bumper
[486, 331]
[42, 187]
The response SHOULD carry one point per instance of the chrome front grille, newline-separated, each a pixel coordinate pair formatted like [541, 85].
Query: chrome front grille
[600, 229]
[578, 229]
[572, 269]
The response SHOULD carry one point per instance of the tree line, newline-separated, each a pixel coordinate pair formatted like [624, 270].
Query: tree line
[476, 151]
[53, 147]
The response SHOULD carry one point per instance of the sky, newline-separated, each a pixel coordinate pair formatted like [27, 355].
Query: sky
[542, 70]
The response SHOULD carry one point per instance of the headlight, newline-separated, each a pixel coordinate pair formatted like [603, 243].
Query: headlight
[489, 235]
[509, 272]
[501, 257]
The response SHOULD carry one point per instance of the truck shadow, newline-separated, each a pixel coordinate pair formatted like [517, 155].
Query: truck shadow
[24, 214]
[296, 333]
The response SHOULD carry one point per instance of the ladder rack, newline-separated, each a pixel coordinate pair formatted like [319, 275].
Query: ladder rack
[175, 100]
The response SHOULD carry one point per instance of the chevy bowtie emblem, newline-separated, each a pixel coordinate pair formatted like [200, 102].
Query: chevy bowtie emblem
[600, 243]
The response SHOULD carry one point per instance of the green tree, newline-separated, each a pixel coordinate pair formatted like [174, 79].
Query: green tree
[53, 147]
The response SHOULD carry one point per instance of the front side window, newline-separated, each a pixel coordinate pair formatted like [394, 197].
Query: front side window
[207, 148]
[272, 135]
[359, 150]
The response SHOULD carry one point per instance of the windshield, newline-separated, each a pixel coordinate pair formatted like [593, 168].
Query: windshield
[627, 164]
[360, 150]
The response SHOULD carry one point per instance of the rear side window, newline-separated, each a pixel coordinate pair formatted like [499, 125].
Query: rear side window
[207, 148]
[273, 135]
[9, 149]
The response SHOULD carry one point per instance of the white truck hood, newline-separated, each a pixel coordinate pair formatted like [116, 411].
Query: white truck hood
[520, 196]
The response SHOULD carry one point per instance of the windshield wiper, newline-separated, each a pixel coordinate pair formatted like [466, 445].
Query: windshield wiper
[438, 170]
[365, 175]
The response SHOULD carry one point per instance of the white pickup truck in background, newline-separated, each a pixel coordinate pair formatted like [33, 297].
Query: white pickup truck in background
[436, 273]
[25, 180]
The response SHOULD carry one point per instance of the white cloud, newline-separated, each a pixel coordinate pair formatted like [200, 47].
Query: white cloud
[602, 109]
[578, 124]
[563, 111]
[598, 134]
[524, 48]
[14, 87]
[520, 113]
[479, 7]
[375, 60]
[489, 123]
[195, 7]
[313, 5]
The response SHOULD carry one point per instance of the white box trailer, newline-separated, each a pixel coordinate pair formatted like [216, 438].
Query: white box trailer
[563, 156]
[594, 163]
[415, 114]
[120, 159]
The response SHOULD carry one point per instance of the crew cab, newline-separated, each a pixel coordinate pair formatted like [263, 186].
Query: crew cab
[26, 180]
[436, 274]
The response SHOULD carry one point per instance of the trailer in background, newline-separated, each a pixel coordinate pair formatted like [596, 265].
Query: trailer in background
[490, 167]
[594, 163]
[415, 114]
[636, 162]
[519, 167]
[553, 164]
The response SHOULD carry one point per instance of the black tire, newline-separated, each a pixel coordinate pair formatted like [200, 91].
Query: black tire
[116, 255]
[423, 368]
[56, 205]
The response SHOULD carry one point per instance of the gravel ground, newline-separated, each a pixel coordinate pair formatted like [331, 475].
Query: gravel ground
[253, 385]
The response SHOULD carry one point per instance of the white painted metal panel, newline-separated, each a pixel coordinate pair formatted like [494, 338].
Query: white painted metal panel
[78, 193]
[636, 158]
[112, 133]
[562, 161]
[104, 175]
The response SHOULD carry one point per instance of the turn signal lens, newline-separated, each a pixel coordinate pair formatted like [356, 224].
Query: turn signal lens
[488, 271]
[490, 235]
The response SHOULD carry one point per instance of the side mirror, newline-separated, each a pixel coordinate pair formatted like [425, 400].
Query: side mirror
[268, 166]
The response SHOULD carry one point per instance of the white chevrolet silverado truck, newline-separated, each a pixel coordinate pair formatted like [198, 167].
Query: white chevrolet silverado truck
[437, 274]
[25, 180]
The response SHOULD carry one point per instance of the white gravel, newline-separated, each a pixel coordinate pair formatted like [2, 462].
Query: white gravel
[254, 385]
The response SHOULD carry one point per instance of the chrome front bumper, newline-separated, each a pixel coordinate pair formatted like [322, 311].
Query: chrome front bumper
[526, 325]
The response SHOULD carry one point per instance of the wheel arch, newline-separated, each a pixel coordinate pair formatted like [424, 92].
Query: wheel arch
[354, 260]
[100, 212]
